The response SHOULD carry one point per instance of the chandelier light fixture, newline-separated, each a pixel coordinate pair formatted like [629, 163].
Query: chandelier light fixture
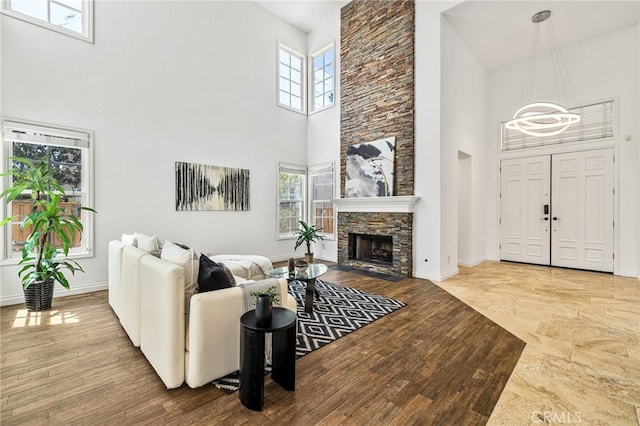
[544, 118]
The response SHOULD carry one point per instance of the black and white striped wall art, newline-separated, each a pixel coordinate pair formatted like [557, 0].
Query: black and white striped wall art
[206, 187]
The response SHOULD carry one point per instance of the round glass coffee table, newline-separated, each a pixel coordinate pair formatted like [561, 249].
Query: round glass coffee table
[313, 271]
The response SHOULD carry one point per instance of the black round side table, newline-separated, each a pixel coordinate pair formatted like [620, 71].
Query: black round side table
[283, 329]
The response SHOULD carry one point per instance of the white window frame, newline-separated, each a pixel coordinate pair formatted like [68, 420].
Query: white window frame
[313, 81]
[291, 169]
[303, 79]
[87, 18]
[47, 134]
[316, 170]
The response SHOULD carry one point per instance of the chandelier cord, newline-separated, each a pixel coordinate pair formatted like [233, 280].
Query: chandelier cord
[528, 83]
[556, 51]
[557, 79]
[544, 118]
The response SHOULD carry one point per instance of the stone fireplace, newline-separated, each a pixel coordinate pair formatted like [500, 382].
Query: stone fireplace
[377, 102]
[380, 224]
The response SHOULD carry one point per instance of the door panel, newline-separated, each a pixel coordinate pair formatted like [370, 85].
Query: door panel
[582, 232]
[578, 232]
[524, 192]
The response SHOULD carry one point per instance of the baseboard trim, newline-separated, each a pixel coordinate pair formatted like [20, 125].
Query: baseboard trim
[285, 258]
[437, 278]
[451, 273]
[16, 299]
[626, 273]
[471, 263]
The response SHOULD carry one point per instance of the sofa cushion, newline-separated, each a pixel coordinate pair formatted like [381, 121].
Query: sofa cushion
[148, 243]
[130, 239]
[212, 276]
[188, 259]
[249, 267]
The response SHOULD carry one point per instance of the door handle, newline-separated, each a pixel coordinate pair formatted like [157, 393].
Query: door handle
[556, 218]
[544, 218]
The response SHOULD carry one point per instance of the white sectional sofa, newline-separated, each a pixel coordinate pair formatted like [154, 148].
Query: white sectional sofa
[148, 296]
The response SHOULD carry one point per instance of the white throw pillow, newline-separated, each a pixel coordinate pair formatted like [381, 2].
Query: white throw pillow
[188, 259]
[148, 243]
[130, 239]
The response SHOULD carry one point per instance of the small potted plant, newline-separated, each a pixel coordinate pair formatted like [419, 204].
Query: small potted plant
[48, 221]
[307, 234]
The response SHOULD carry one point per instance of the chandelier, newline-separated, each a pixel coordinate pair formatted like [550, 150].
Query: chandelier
[541, 119]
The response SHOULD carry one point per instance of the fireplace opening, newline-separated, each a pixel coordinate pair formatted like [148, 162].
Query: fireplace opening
[371, 248]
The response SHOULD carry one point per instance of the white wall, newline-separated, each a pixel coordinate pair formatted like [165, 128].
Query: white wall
[464, 127]
[599, 69]
[427, 214]
[450, 115]
[164, 82]
[323, 127]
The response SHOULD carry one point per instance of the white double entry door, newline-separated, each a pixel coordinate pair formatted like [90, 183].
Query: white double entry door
[558, 210]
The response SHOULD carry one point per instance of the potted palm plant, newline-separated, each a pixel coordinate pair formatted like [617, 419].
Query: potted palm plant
[52, 230]
[307, 234]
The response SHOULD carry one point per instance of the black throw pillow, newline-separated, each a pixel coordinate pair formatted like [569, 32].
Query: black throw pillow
[212, 276]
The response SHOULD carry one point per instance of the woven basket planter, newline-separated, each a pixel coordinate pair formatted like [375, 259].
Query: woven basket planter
[39, 295]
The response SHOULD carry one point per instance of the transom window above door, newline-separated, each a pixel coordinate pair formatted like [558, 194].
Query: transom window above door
[597, 124]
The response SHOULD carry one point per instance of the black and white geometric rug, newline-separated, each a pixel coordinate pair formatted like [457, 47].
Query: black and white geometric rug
[339, 311]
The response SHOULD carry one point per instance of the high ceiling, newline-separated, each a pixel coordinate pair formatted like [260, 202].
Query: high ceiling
[302, 14]
[498, 32]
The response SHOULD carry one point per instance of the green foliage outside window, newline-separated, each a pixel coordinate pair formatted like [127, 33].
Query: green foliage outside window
[65, 163]
[291, 190]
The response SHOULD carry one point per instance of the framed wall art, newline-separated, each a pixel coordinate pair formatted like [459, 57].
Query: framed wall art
[205, 187]
[370, 168]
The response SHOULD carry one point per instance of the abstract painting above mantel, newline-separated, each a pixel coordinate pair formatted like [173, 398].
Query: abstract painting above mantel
[370, 168]
[205, 187]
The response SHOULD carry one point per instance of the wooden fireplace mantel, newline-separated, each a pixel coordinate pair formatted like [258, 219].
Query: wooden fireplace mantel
[397, 204]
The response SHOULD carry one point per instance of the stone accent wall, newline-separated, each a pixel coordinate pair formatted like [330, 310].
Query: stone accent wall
[377, 81]
[398, 225]
[377, 101]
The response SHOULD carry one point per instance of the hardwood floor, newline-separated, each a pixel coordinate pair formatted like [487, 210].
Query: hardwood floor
[436, 361]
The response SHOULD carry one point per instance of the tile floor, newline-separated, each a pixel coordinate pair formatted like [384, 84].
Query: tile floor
[581, 364]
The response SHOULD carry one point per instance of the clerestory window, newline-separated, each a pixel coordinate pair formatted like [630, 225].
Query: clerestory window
[323, 78]
[598, 124]
[291, 79]
[70, 17]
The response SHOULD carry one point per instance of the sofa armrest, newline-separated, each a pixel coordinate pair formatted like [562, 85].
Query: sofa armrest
[162, 318]
[214, 333]
[115, 275]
